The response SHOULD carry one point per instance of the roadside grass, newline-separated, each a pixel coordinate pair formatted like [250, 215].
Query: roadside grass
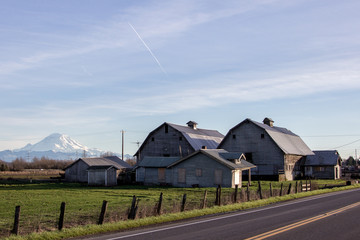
[170, 217]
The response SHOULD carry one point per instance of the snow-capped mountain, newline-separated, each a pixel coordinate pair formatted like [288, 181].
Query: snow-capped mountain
[55, 146]
[55, 142]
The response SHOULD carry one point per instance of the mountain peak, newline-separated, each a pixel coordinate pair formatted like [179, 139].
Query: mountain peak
[55, 142]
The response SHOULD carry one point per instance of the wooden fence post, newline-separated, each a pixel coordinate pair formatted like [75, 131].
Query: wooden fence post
[310, 185]
[296, 187]
[183, 203]
[271, 190]
[134, 207]
[259, 190]
[289, 190]
[281, 189]
[219, 195]
[236, 193]
[102, 213]
[204, 200]
[15, 229]
[158, 211]
[248, 192]
[301, 189]
[306, 183]
[62, 216]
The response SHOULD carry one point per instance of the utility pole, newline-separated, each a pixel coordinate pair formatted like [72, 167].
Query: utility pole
[122, 145]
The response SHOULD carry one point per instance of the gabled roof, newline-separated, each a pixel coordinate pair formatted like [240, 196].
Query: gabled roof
[101, 167]
[222, 156]
[287, 141]
[105, 161]
[323, 158]
[157, 162]
[197, 138]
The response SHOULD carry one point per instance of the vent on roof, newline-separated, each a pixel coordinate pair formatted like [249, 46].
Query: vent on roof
[203, 147]
[192, 124]
[269, 122]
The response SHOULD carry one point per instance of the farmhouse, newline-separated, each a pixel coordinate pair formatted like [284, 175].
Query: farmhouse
[209, 168]
[96, 171]
[323, 165]
[277, 152]
[171, 140]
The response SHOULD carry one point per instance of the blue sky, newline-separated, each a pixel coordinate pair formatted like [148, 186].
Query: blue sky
[89, 69]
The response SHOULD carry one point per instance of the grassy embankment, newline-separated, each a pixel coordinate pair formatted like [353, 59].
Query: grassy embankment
[40, 205]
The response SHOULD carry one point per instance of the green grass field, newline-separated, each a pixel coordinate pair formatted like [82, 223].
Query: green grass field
[40, 202]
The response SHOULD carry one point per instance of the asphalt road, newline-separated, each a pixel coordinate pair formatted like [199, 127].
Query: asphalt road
[329, 216]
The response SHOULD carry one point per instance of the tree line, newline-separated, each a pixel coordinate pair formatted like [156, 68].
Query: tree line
[20, 164]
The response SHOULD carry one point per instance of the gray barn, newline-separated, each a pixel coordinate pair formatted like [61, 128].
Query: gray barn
[277, 152]
[80, 170]
[171, 140]
[209, 168]
[102, 175]
[154, 171]
[323, 165]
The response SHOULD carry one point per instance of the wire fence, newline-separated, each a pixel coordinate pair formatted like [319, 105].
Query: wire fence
[48, 218]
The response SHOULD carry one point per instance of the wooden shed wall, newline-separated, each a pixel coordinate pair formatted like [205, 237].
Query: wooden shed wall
[150, 176]
[162, 143]
[249, 138]
[77, 172]
[208, 168]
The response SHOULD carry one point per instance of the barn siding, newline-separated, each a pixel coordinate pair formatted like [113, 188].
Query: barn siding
[166, 144]
[208, 167]
[265, 154]
[77, 172]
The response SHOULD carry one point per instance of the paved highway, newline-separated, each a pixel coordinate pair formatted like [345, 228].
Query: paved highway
[328, 216]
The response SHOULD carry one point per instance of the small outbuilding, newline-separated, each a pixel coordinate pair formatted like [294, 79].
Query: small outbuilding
[102, 175]
[323, 165]
[96, 171]
[210, 168]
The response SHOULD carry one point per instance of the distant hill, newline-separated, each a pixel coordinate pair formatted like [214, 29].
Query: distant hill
[55, 146]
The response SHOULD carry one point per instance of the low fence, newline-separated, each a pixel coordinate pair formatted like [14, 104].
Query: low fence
[49, 221]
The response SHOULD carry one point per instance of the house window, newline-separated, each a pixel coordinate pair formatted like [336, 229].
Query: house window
[249, 157]
[161, 174]
[198, 172]
[234, 136]
[218, 176]
[262, 136]
[166, 128]
[181, 175]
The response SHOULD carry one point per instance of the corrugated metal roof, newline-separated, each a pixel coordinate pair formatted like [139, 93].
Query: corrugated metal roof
[221, 156]
[323, 158]
[288, 142]
[106, 161]
[199, 137]
[101, 167]
[157, 161]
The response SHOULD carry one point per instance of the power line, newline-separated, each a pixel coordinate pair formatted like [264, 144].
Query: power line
[347, 144]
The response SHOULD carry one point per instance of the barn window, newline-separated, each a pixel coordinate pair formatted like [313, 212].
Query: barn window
[262, 136]
[152, 139]
[181, 175]
[198, 172]
[249, 157]
[166, 128]
[218, 176]
[234, 136]
[180, 138]
[161, 174]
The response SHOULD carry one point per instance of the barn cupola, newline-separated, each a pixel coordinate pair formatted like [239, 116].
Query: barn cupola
[269, 122]
[192, 124]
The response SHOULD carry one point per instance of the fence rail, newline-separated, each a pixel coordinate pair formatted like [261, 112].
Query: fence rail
[137, 209]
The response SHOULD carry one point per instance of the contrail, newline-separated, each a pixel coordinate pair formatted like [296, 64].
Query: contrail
[152, 54]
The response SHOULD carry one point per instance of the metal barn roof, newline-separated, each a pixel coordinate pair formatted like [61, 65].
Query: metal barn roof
[323, 158]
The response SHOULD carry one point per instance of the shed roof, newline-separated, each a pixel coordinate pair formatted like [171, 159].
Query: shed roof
[101, 167]
[222, 156]
[323, 158]
[103, 161]
[157, 162]
[287, 141]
